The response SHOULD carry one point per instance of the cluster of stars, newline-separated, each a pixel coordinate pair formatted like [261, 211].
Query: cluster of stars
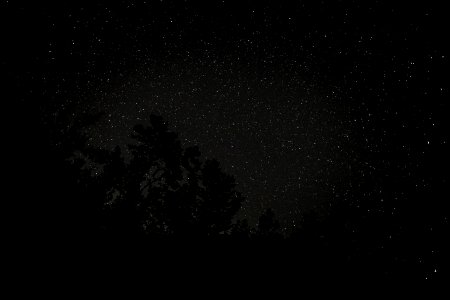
[302, 103]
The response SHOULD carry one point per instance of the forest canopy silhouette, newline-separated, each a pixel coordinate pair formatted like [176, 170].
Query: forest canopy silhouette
[156, 191]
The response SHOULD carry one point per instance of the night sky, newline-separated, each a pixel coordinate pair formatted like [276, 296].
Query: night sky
[304, 102]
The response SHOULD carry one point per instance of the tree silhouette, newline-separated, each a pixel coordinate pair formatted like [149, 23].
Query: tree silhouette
[241, 231]
[68, 207]
[268, 227]
[159, 190]
[165, 190]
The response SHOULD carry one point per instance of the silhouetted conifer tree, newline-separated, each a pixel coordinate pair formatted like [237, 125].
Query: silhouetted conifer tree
[166, 190]
[268, 227]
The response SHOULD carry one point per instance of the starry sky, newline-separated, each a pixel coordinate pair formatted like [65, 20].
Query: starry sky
[304, 102]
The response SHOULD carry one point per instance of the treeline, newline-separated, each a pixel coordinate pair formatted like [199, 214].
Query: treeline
[159, 192]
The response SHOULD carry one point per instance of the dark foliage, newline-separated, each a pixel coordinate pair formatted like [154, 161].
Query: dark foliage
[160, 192]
